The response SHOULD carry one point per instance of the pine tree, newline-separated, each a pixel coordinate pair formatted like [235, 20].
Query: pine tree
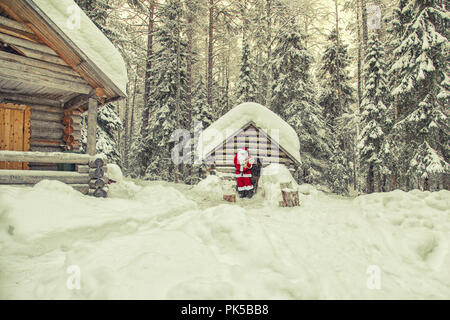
[165, 102]
[373, 111]
[246, 86]
[422, 91]
[336, 97]
[294, 99]
[200, 109]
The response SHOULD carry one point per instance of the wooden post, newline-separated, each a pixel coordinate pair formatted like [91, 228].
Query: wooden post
[92, 127]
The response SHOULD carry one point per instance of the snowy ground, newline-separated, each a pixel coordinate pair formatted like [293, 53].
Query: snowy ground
[156, 240]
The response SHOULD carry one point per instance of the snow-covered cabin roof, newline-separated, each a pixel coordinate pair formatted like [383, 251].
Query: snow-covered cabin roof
[103, 66]
[249, 112]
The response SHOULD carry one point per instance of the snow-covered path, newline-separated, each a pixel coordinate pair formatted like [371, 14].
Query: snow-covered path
[158, 240]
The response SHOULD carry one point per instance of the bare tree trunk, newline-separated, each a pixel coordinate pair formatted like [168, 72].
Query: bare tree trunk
[126, 128]
[358, 111]
[269, 53]
[148, 68]
[364, 21]
[178, 96]
[210, 53]
[190, 34]
[370, 180]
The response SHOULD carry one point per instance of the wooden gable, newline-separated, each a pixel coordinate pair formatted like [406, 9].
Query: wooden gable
[40, 62]
[260, 145]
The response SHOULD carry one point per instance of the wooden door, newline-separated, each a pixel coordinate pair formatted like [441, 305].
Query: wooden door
[14, 132]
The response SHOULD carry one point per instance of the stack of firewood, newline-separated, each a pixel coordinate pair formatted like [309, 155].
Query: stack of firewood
[98, 184]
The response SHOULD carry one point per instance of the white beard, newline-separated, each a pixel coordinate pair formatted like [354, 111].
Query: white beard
[241, 157]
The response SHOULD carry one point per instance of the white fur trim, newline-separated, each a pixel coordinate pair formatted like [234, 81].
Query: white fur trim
[245, 188]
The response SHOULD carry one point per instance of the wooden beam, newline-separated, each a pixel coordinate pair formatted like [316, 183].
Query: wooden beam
[34, 176]
[26, 43]
[45, 157]
[41, 56]
[38, 70]
[37, 63]
[17, 29]
[77, 101]
[21, 98]
[12, 24]
[45, 81]
[92, 126]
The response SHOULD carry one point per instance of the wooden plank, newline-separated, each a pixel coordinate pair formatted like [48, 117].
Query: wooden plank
[17, 134]
[77, 101]
[26, 134]
[41, 56]
[92, 126]
[12, 24]
[46, 142]
[40, 71]
[46, 157]
[6, 56]
[3, 137]
[38, 115]
[26, 44]
[34, 102]
[32, 176]
[44, 81]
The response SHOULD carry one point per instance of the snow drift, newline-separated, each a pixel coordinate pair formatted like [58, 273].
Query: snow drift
[166, 241]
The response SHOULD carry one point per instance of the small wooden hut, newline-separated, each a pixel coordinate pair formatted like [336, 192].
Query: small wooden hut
[51, 71]
[267, 137]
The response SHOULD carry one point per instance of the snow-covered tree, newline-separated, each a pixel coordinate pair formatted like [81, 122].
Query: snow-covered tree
[336, 98]
[373, 111]
[338, 94]
[295, 100]
[108, 125]
[422, 91]
[246, 86]
[201, 110]
[166, 100]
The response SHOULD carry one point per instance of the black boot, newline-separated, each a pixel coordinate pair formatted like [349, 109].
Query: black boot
[241, 194]
[250, 194]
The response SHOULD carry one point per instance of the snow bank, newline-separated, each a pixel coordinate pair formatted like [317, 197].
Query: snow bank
[114, 172]
[213, 188]
[76, 25]
[236, 118]
[164, 243]
[54, 210]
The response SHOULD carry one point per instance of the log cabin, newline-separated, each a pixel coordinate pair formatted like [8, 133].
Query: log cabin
[267, 137]
[55, 64]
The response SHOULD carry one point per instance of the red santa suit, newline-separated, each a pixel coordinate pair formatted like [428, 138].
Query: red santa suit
[243, 165]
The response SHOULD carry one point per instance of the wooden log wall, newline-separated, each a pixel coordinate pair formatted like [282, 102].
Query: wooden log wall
[89, 177]
[259, 145]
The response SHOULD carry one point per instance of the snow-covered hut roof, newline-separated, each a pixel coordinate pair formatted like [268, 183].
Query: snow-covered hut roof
[72, 24]
[249, 112]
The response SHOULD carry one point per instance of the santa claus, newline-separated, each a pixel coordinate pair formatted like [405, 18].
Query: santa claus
[243, 163]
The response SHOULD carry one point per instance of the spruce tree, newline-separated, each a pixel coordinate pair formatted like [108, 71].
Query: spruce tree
[422, 91]
[294, 99]
[246, 86]
[373, 111]
[167, 109]
[336, 98]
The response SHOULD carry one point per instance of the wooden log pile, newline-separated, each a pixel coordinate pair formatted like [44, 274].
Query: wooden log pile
[89, 178]
[98, 183]
[72, 129]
